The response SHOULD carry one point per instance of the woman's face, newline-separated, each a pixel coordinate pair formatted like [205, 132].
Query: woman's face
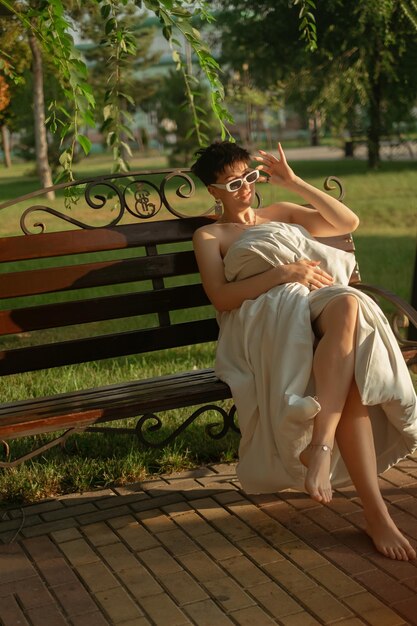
[244, 195]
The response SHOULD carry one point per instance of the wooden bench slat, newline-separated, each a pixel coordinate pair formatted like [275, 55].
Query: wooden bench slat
[62, 314]
[43, 245]
[111, 402]
[89, 275]
[106, 346]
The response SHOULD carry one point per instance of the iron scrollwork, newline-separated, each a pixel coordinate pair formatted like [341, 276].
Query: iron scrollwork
[152, 423]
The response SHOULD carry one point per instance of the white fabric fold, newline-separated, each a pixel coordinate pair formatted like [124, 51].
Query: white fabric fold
[265, 354]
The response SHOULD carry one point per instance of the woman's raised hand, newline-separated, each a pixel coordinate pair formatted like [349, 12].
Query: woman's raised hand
[277, 168]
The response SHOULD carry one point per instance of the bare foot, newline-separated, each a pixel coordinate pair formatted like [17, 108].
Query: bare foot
[389, 540]
[316, 458]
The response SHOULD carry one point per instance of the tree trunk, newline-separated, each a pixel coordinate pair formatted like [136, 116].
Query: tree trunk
[374, 130]
[5, 137]
[41, 142]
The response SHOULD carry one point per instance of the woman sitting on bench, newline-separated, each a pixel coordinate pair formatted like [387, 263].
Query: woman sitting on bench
[323, 395]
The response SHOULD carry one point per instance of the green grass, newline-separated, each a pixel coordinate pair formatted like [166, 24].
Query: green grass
[387, 205]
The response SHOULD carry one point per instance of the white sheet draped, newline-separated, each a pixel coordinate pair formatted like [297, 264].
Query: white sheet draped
[265, 353]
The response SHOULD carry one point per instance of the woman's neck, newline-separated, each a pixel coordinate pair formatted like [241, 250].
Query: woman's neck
[246, 218]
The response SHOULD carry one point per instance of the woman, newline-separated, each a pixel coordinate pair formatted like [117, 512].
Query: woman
[334, 405]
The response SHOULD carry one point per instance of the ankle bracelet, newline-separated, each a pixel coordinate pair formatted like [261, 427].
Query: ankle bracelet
[323, 446]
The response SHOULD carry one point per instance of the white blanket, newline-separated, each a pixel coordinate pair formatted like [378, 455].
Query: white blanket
[265, 353]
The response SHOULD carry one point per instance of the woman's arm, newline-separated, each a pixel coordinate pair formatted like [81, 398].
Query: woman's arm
[226, 296]
[327, 216]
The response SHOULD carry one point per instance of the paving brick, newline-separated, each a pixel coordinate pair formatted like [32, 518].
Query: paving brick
[193, 524]
[228, 497]
[137, 537]
[118, 605]
[67, 534]
[327, 519]
[78, 552]
[348, 560]
[121, 500]
[10, 612]
[399, 478]
[120, 520]
[71, 511]
[48, 527]
[227, 470]
[159, 561]
[312, 533]
[201, 566]
[183, 588]
[32, 593]
[41, 548]
[97, 576]
[207, 613]
[244, 571]
[177, 542]
[36, 509]
[289, 576]
[118, 556]
[259, 550]
[153, 503]
[156, 521]
[356, 539]
[140, 582]
[218, 546]
[302, 554]
[99, 516]
[252, 615]
[11, 528]
[182, 483]
[176, 509]
[275, 600]
[100, 534]
[56, 571]
[233, 528]
[274, 532]
[300, 619]
[386, 587]
[337, 582]
[79, 498]
[401, 570]
[209, 509]
[14, 564]
[94, 619]
[408, 609]
[162, 610]
[325, 607]
[74, 598]
[228, 594]
[49, 614]
[373, 611]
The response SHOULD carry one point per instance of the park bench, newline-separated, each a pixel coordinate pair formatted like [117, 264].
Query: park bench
[143, 254]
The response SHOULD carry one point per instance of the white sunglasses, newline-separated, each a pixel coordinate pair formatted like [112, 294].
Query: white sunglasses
[236, 183]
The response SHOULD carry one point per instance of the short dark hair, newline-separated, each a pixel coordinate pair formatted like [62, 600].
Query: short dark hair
[214, 159]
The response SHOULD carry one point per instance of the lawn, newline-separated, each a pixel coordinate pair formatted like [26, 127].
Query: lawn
[386, 204]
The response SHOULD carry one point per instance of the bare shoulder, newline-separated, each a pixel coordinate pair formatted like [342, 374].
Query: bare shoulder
[278, 212]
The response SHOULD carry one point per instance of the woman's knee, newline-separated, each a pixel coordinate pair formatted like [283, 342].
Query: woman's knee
[340, 314]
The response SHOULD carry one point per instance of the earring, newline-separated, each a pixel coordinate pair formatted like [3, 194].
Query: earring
[218, 207]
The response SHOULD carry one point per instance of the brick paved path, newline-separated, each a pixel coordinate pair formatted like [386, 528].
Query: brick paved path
[193, 549]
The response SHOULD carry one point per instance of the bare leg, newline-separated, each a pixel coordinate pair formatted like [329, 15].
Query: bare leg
[333, 368]
[356, 444]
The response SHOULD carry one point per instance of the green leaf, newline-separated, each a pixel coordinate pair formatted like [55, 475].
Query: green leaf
[84, 142]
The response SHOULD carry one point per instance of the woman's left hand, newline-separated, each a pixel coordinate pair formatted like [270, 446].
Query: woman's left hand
[277, 168]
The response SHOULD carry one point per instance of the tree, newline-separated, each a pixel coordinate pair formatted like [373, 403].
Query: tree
[52, 27]
[4, 103]
[364, 56]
